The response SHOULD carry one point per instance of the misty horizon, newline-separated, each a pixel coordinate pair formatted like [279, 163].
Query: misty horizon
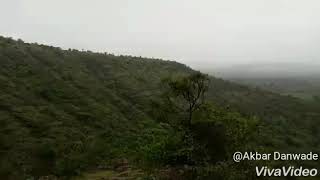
[229, 38]
[170, 89]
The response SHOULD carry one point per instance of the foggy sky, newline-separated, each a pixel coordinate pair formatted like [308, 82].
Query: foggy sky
[205, 34]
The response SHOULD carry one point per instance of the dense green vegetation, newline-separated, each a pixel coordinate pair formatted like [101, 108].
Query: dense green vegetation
[65, 112]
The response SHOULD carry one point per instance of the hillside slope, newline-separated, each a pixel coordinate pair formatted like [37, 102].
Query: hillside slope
[58, 101]
[58, 106]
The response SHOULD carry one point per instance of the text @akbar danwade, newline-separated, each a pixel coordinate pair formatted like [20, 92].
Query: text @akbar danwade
[277, 156]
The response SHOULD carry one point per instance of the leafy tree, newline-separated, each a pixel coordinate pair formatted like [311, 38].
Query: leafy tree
[187, 93]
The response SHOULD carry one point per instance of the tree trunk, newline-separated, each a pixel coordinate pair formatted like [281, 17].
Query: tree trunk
[190, 117]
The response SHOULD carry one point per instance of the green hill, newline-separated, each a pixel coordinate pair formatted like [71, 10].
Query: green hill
[64, 112]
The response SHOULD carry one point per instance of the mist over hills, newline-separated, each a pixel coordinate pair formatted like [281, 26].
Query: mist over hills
[299, 78]
[303, 69]
[157, 90]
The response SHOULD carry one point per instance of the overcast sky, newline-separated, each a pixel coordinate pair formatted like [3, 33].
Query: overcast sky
[200, 33]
